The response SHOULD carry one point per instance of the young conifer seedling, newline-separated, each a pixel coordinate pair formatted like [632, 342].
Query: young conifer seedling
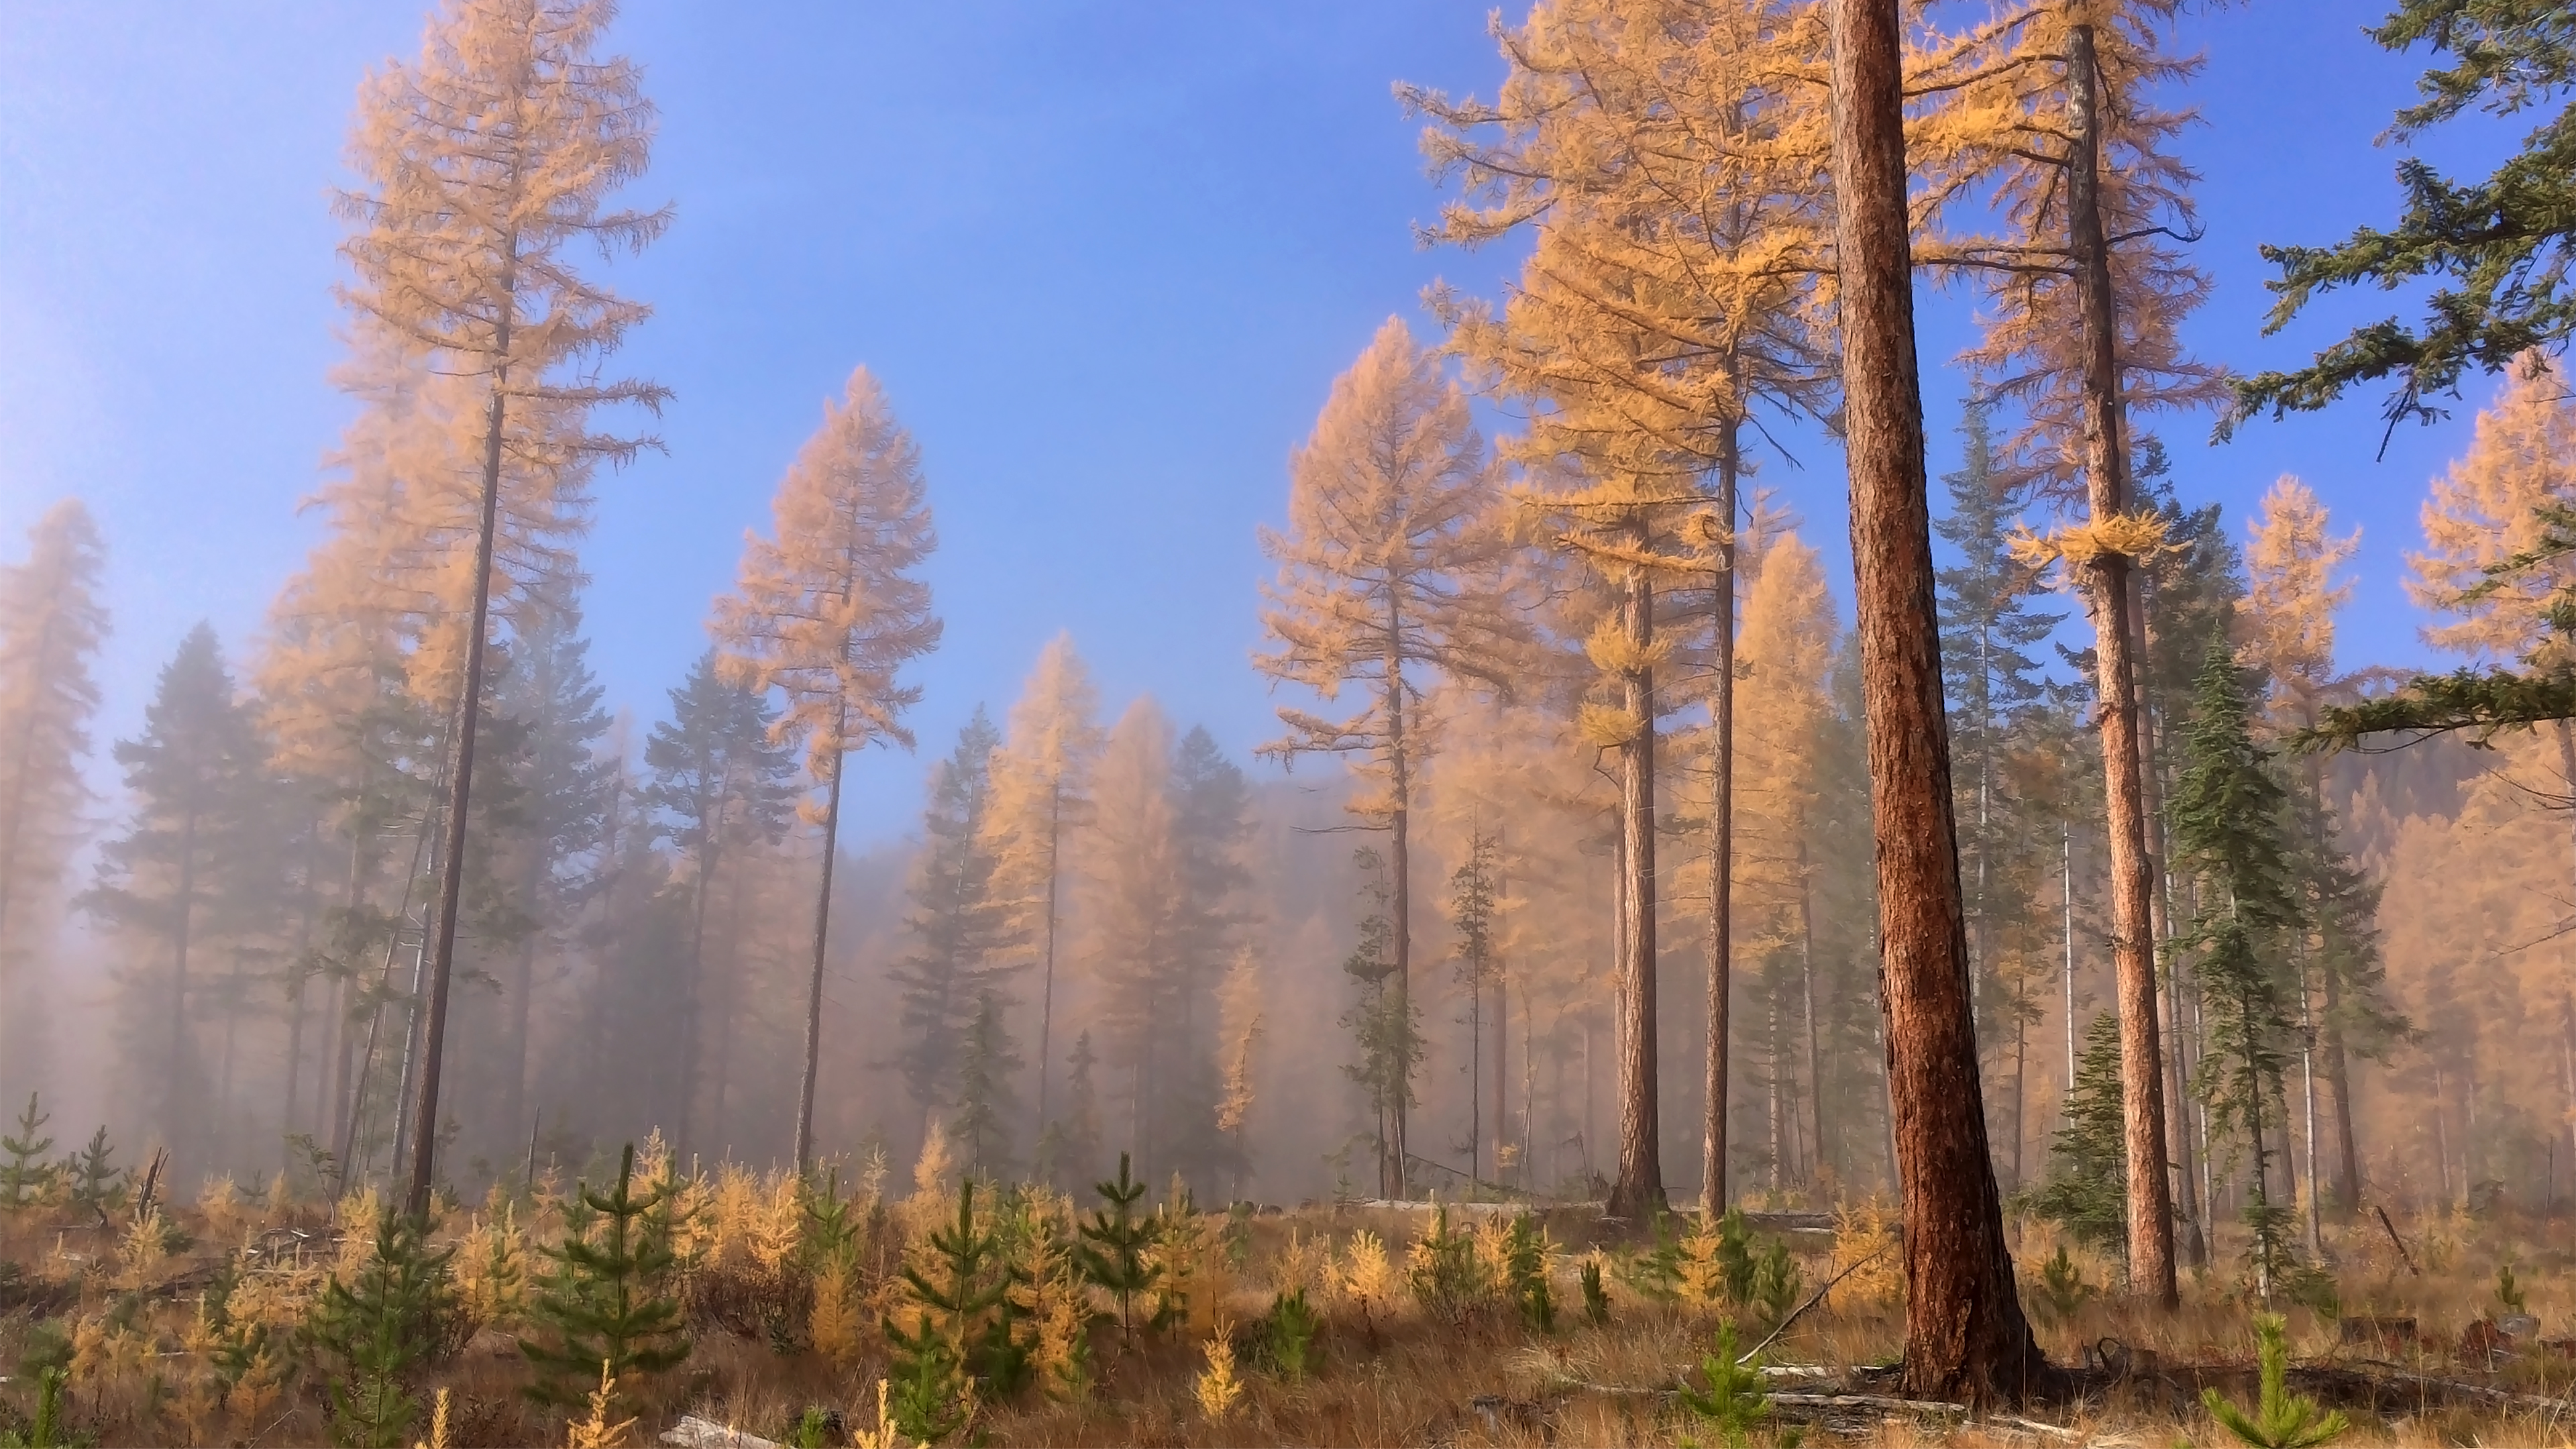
[1114, 1242]
[2281, 1419]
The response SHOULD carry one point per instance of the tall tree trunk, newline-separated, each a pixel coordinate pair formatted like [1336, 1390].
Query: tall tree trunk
[1807, 983]
[2151, 1255]
[1638, 1194]
[1400, 862]
[693, 1011]
[460, 796]
[2194, 1248]
[2191, 1159]
[1721, 836]
[822, 936]
[1046, 997]
[175, 1117]
[1965, 1336]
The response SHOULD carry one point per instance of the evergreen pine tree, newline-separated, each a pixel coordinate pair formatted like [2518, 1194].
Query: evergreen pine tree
[378, 1331]
[1991, 675]
[2086, 1191]
[2230, 819]
[1211, 820]
[956, 924]
[718, 786]
[185, 874]
[607, 1298]
[24, 1177]
[986, 1105]
[1111, 1247]
[1384, 1026]
[1073, 1140]
[562, 784]
[96, 1181]
[1472, 891]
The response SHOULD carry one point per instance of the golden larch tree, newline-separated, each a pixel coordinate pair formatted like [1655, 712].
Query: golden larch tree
[1388, 581]
[1788, 657]
[484, 167]
[52, 622]
[1129, 904]
[2046, 118]
[1041, 794]
[2485, 509]
[829, 612]
[1671, 156]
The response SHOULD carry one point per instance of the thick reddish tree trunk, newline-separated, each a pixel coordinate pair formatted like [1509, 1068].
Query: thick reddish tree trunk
[1965, 1337]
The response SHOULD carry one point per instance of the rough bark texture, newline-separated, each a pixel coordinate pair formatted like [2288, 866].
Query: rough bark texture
[1965, 1337]
[1721, 842]
[2142, 1091]
[1638, 1194]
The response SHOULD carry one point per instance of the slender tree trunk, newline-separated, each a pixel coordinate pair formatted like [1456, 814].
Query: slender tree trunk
[460, 796]
[1721, 837]
[1400, 861]
[1965, 1337]
[1807, 983]
[1046, 997]
[2194, 1250]
[297, 977]
[2151, 1256]
[693, 1011]
[2308, 1096]
[2066, 895]
[175, 1116]
[822, 936]
[1638, 1194]
[2196, 1205]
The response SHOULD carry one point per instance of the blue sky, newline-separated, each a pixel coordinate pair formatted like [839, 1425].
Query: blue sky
[1106, 257]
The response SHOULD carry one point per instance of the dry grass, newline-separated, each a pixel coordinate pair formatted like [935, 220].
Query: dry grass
[1392, 1372]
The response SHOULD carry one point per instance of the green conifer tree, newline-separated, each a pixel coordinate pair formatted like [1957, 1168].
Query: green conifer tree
[2087, 1190]
[26, 1175]
[986, 1105]
[957, 924]
[1385, 1025]
[2230, 821]
[606, 1299]
[375, 1334]
[1110, 1251]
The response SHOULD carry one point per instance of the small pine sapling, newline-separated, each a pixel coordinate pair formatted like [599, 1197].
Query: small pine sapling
[1291, 1338]
[1596, 1296]
[1773, 1292]
[2281, 1419]
[606, 1299]
[25, 1176]
[1525, 1255]
[932, 1395]
[47, 1430]
[1113, 1246]
[1442, 1268]
[2509, 1292]
[2062, 1289]
[375, 1331]
[96, 1181]
[1734, 1404]
[1654, 1272]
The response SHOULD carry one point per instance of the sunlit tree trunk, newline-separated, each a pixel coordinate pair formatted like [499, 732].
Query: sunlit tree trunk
[1638, 1193]
[2151, 1258]
[1965, 1337]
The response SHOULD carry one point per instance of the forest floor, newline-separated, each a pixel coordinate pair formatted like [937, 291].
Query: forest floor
[2426, 1346]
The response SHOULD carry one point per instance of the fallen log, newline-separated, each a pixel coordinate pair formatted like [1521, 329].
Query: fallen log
[693, 1432]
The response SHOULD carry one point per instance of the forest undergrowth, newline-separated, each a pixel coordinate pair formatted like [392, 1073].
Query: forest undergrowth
[651, 1301]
